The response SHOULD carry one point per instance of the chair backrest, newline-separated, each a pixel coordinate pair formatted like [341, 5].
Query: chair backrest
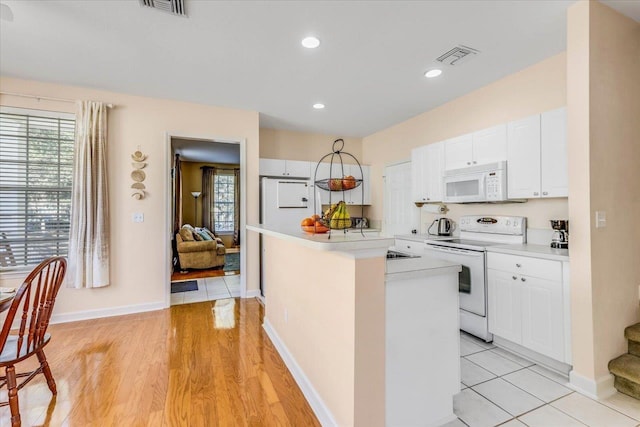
[34, 300]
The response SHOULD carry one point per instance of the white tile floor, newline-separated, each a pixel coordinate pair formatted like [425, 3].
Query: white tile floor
[501, 388]
[210, 289]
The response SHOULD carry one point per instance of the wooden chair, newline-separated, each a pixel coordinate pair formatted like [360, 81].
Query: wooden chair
[34, 301]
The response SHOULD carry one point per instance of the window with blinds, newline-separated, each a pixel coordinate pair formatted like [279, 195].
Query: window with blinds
[223, 203]
[36, 161]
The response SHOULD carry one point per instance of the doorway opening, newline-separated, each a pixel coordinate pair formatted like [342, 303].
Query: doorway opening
[206, 204]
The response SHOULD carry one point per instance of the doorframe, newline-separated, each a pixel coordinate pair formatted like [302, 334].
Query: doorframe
[168, 224]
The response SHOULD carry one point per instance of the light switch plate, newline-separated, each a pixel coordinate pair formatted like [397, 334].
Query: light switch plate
[601, 219]
[138, 217]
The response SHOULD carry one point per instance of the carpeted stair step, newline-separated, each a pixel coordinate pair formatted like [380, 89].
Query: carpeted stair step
[626, 370]
[632, 333]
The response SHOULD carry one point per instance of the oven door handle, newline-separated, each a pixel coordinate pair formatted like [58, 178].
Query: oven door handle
[456, 251]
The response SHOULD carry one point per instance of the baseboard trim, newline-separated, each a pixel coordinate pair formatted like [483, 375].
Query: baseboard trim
[317, 405]
[598, 389]
[252, 293]
[106, 312]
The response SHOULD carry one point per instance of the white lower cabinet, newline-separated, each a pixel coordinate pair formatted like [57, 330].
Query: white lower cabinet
[526, 304]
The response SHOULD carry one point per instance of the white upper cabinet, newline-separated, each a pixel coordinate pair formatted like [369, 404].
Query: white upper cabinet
[286, 168]
[478, 148]
[523, 158]
[490, 145]
[426, 172]
[537, 156]
[553, 154]
[458, 152]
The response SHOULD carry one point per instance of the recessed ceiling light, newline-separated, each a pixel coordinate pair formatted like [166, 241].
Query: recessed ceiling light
[318, 106]
[433, 73]
[310, 42]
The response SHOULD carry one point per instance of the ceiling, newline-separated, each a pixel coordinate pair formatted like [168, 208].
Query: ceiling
[196, 150]
[368, 69]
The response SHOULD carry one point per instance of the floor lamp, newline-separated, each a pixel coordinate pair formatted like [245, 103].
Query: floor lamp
[195, 195]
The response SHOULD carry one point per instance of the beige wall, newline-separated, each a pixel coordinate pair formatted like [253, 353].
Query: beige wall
[604, 105]
[192, 181]
[538, 88]
[290, 145]
[338, 302]
[138, 250]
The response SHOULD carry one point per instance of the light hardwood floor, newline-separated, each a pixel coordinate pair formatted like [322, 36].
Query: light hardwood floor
[203, 364]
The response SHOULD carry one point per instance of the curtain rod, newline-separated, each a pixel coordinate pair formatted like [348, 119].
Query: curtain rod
[220, 169]
[48, 98]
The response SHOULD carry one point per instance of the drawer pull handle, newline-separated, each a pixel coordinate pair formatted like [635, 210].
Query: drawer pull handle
[514, 277]
[518, 265]
[523, 279]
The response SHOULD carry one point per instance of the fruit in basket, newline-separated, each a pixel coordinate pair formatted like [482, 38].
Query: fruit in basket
[340, 218]
[307, 222]
[315, 217]
[348, 182]
[326, 215]
[335, 184]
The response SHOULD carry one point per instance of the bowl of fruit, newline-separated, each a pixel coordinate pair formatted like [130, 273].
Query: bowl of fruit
[313, 225]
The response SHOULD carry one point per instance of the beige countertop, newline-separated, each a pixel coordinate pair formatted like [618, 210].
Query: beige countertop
[530, 250]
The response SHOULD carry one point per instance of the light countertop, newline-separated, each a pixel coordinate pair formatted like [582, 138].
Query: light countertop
[336, 240]
[535, 251]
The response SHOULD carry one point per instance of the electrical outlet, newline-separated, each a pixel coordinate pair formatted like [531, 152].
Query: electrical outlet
[138, 217]
[601, 219]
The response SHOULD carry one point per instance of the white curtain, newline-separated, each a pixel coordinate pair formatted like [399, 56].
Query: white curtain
[89, 234]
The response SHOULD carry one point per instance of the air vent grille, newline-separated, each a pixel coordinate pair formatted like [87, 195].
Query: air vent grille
[457, 55]
[175, 7]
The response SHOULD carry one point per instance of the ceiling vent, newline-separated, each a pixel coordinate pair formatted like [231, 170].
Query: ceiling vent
[457, 55]
[175, 7]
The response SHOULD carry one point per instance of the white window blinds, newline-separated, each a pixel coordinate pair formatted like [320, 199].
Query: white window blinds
[36, 161]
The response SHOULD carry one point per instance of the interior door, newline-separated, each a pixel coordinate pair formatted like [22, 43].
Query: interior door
[400, 213]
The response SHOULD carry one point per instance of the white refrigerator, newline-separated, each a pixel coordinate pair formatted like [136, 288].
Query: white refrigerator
[284, 203]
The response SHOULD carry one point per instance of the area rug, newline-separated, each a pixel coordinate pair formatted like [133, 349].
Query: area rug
[189, 285]
[232, 262]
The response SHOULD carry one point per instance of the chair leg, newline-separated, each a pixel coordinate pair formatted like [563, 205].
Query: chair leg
[13, 396]
[47, 372]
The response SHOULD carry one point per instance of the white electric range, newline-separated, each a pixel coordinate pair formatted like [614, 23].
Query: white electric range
[477, 232]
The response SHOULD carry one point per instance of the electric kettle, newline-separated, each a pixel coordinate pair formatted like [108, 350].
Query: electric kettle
[444, 227]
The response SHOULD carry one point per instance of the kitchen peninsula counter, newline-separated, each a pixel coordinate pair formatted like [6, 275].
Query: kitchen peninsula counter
[349, 323]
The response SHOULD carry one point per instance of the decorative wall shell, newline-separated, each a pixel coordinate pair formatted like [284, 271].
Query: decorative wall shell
[138, 175]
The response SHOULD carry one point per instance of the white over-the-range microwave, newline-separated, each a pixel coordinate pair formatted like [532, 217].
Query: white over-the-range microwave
[475, 184]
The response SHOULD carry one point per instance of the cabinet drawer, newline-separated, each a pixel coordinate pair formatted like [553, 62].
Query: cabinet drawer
[409, 246]
[527, 266]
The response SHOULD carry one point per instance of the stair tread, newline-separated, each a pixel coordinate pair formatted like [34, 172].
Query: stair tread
[632, 333]
[626, 366]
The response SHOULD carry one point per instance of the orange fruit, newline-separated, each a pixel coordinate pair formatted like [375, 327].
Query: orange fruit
[307, 221]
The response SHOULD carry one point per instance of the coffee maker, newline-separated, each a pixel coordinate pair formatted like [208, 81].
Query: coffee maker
[560, 238]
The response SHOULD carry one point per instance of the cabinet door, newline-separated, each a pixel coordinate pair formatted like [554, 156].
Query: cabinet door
[298, 169]
[272, 167]
[361, 195]
[542, 320]
[523, 158]
[418, 168]
[432, 175]
[490, 145]
[505, 300]
[553, 154]
[458, 152]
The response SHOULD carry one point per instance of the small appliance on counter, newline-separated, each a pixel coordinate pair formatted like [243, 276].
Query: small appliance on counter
[560, 238]
[359, 222]
[443, 227]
